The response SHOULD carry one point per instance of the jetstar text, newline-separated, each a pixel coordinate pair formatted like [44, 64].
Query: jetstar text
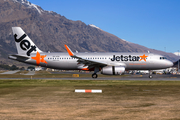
[125, 58]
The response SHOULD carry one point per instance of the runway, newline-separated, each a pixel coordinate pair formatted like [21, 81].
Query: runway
[131, 77]
[45, 75]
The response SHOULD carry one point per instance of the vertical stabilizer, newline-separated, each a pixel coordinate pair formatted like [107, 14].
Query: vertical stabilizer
[25, 46]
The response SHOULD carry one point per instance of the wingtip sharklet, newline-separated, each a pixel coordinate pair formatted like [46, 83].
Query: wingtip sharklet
[69, 50]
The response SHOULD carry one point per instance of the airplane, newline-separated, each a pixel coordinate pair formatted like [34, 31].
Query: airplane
[111, 63]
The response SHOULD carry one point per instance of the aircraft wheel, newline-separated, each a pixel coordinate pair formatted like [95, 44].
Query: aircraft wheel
[150, 76]
[94, 75]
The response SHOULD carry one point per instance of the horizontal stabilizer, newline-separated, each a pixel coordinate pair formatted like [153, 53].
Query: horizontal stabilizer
[18, 57]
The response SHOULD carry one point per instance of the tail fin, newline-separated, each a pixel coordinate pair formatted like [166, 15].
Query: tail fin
[25, 46]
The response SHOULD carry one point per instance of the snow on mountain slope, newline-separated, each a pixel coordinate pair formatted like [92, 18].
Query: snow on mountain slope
[94, 26]
[30, 5]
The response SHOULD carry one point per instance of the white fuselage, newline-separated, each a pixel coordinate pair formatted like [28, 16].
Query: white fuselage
[64, 62]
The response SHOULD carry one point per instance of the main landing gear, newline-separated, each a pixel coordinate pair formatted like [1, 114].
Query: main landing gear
[94, 75]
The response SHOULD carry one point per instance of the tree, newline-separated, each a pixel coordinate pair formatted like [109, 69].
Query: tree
[14, 67]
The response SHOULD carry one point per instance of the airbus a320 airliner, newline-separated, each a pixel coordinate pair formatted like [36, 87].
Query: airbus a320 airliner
[112, 63]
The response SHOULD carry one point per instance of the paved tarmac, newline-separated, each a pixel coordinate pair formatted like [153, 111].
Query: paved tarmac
[131, 77]
[30, 73]
[11, 72]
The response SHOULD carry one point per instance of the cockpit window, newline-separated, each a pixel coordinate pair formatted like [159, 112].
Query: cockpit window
[162, 58]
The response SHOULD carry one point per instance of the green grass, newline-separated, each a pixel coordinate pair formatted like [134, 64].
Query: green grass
[110, 87]
[84, 82]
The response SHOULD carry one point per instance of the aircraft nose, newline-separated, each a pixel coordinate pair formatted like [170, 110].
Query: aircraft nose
[169, 64]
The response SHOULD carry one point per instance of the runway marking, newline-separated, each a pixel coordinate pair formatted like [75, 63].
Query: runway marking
[87, 91]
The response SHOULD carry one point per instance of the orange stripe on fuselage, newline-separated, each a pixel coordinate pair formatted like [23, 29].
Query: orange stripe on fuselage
[86, 69]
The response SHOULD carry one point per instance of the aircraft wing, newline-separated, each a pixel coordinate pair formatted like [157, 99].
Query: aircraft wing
[85, 61]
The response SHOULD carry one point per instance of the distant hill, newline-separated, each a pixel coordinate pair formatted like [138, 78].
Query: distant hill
[50, 31]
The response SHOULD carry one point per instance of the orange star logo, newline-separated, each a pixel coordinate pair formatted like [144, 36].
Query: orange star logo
[143, 57]
[39, 58]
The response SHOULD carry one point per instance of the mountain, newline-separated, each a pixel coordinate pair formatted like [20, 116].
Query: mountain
[50, 31]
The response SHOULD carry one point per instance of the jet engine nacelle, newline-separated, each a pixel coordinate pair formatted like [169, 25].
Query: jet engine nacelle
[113, 70]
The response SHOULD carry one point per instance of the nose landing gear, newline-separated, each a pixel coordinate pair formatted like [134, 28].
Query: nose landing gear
[150, 74]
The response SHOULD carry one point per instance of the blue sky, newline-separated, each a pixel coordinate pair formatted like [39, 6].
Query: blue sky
[151, 23]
